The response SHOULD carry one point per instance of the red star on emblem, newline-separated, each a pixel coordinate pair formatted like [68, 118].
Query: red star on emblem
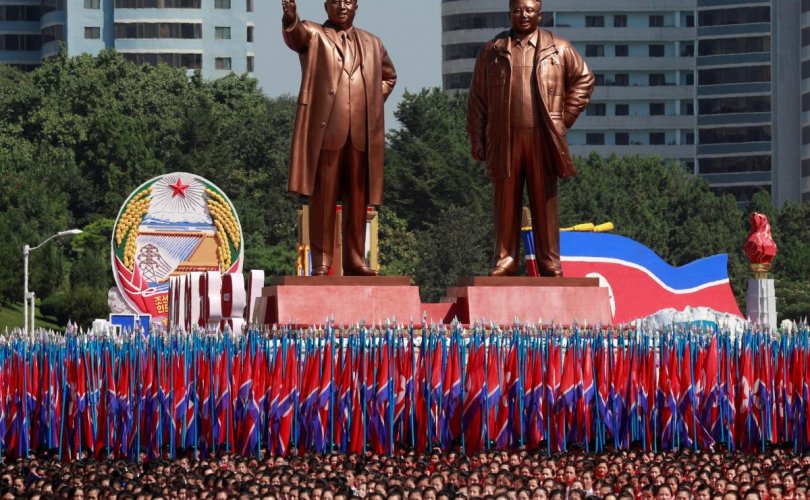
[179, 188]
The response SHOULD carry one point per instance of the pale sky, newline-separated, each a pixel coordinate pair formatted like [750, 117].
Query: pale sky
[409, 29]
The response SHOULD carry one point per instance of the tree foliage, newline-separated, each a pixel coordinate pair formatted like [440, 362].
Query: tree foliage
[79, 134]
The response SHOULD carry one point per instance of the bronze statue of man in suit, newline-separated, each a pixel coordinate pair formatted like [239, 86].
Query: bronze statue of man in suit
[337, 145]
[528, 88]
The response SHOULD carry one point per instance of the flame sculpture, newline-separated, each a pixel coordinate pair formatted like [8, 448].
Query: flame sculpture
[760, 247]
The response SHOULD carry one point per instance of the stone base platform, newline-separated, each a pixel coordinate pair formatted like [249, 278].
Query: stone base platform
[530, 299]
[311, 300]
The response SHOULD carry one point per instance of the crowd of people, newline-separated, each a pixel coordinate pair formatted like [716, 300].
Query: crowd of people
[621, 475]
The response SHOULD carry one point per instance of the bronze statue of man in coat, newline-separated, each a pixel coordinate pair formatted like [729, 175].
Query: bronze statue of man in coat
[337, 145]
[528, 88]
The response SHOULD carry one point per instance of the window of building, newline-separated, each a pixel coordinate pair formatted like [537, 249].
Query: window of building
[734, 164]
[251, 61]
[657, 138]
[656, 21]
[689, 21]
[92, 32]
[620, 21]
[622, 50]
[250, 34]
[599, 78]
[158, 30]
[595, 139]
[622, 139]
[222, 63]
[92, 4]
[734, 74]
[805, 102]
[734, 135]
[621, 79]
[547, 21]
[457, 81]
[484, 20]
[25, 42]
[805, 135]
[805, 70]
[687, 49]
[805, 37]
[222, 4]
[592, 50]
[688, 78]
[687, 107]
[657, 108]
[657, 50]
[249, 5]
[53, 33]
[222, 32]
[689, 138]
[657, 79]
[622, 109]
[176, 60]
[594, 21]
[805, 5]
[460, 51]
[734, 15]
[729, 105]
[52, 5]
[597, 109]
[20, 13]
[736, 45]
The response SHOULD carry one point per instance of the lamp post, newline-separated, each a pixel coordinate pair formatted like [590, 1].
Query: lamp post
[30, 295]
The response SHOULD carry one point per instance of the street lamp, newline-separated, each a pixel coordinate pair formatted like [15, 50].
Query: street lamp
[30, 295]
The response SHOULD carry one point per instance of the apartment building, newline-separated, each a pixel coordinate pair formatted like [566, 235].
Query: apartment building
[213, 36]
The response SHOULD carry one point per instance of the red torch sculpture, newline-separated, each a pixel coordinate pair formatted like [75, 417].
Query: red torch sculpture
[760, 247]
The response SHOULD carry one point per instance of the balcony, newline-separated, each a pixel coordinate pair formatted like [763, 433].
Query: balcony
[635, 122]
[665, 151]
[643, 93]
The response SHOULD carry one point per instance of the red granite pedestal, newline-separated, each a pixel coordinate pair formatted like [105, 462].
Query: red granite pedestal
[529, 299]
[311, 300]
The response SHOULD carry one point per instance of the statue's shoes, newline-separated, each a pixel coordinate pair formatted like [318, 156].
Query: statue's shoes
[360, 271]
[500, 271]
[320, 271]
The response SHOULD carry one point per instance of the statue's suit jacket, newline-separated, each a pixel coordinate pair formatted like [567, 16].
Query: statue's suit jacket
[320, 53]
[563, 81]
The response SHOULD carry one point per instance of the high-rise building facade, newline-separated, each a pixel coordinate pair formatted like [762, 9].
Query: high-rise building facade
[805, 100]
[748, 91]
[213, 36]
[692, 80]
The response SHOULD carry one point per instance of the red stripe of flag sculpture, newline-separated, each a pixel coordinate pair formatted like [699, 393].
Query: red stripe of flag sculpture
[386, 388]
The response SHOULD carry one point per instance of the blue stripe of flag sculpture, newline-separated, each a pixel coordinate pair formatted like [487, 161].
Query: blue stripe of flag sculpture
[388, 388]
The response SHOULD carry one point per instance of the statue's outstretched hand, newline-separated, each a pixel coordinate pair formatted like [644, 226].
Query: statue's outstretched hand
[290, 11]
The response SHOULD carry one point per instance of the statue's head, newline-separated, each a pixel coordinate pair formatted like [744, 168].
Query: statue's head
[526, 15]
[341, 12]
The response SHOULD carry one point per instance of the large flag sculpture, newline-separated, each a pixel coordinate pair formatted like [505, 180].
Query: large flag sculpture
[640, 282]
[385, 388]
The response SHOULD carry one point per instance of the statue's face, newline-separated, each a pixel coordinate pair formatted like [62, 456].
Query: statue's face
[526, 15]
[341, 12]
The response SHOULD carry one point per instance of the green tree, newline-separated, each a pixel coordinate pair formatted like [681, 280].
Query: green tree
[398, 246]
[458, 244]
[428, 163]
[659, 204]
